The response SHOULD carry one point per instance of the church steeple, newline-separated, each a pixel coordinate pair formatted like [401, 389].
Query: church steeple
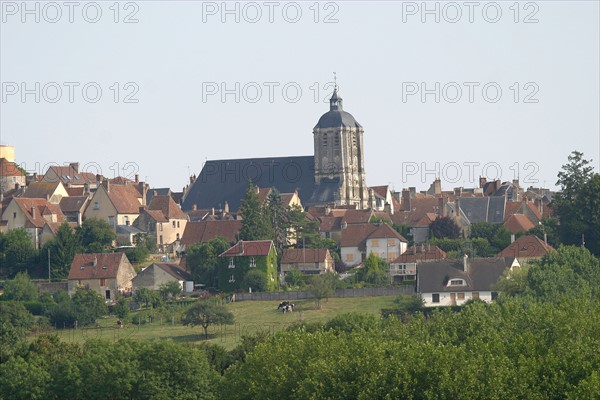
[335, 103]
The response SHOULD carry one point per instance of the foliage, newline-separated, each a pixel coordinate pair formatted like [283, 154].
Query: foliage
[549, 226]
[513, 283]
[202, 260]
[255, 221]
[89, 306]
[121, 308]
[256, 279]
[205, 313]
[20, 288]
[307, 230]
[137, 254]
[279, 219]
[295, 278]
[496, 235]
[405, 231]
[322, 287]
[578, 203]
[61, 250]
[351, 322]
[445, 227]
[170, 290]
[148, 297]
[95, 235]
[146, 241]
[374, 271]
[17, 253]
[16, 315]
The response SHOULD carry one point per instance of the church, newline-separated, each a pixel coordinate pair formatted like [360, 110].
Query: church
[333, 176]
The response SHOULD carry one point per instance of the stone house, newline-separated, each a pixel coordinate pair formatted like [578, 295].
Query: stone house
[10, 175]
[527, 248]
[307, 261]
[116, 204]
[109, 274]
[157, 274]
[163, 220]
[31, 214]
[243, 257]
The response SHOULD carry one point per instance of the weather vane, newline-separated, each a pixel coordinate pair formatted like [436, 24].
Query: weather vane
[334, 80]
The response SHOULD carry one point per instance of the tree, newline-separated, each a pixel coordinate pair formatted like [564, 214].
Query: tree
[89, 306]
[445, 227]
[578, 203]
[61, 250]
[256, 279]
[374, 271]
[170, 289]
[149, 297]
[121, 309]
[95, 235]
[205, 313]
[20, 288]
[295, 278]
[513, 283]
[17, 253]
[254, 224]
[279, 218]
[496, 235]
[202, 260]
[307, 231]
[547, 230]
[322, 287]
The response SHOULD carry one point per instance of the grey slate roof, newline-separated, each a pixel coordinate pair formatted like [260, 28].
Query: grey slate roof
[337, 118]
[226, 180]
[483, 273]
[483, 209]
[159, 192]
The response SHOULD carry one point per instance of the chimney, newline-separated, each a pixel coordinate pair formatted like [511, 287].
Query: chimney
[241, 247]
[226, 208]
[442, 206]
[95, 261]
[194, 207]
[406, 206]
[86, 189]
[33, 213]
[482, 181]
[98, 179]
[137, 178]
[437, 186]
[75, 166]
[35, 177]
[466, 263]
[155, 193]
[512, 237]
[458, 191]
[212, 211]
[413, 192]
[106, 185]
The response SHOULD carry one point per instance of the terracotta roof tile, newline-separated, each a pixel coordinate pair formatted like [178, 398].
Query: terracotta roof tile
[125, 198]
[385, 231]
[249, 248]
[526, 247]
[421, 254]
[40, 190]
[204, 231]
[167, 206]
[356, 235]
[518, 223]
[293, 256]
[105, 266]
[8, 168]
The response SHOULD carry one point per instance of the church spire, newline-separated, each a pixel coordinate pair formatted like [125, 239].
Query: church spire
[335, 103]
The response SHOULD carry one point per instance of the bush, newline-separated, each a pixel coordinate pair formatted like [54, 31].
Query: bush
[256, 279]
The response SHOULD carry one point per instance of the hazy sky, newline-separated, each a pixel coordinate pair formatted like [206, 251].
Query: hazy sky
[456, 89]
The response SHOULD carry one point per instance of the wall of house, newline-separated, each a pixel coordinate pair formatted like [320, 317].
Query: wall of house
[310, 267]
[351, 256]
[95, 284]
[168, 232]
[8, 182]
[100, 206]
[14, 221]
[446, 298]
[388, 249]
[46, 236]
[125, 275]
[152, 278]
[267, 264]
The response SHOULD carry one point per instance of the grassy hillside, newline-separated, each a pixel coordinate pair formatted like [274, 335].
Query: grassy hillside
[250, 316]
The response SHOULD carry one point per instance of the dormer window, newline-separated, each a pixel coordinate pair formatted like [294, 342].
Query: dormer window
[231, 263]
[457, 282]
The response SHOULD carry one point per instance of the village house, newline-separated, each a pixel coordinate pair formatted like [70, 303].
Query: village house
[404, 268]
[116, 204]
[109, 274]
[50, 229]
[32, 215]
[205, 231]
[73, 207]
[70, 176]
[10, 175]
[246, 256]
[527, 248]
[453, 282]
[307, 261]
[360, 240]
[157, 274]
[163, 220]
[54, 192]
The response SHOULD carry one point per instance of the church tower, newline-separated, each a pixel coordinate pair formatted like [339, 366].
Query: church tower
[339, 155]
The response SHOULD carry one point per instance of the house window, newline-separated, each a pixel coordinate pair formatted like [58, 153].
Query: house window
[178, 224]
[375, 243]
[231, 279]
[475, 295]
[111, 220]
[14, 215]
[494, 295]
[460, 296]
[96, 205]
[160, 225]
[174, 224]
[126, 218]
[349, 257]
[252, 262]
[435, 298]
[231, 263]
[391, 242]
[456, 282]
[102, 282]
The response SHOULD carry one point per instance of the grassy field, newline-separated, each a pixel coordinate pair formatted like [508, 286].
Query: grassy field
[250, 317]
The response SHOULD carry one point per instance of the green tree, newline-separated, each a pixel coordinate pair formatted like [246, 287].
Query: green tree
[148, 297]
[121, 309]
[513, 283]
[295, 278]
[89, 306]
[205, 313]
[17, 253]
[202, 260]
[322, 287]
[549, 227]
[61, 250]
[306, 230]
[279, 219]
[170, 290]
[95, 235]
[254, 224]
[444, 227]
[20, 288]
[374, 271]
[256, 279]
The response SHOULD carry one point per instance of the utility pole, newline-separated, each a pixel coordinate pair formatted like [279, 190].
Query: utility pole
[49, 280]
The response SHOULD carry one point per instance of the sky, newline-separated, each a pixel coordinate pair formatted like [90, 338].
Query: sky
[454, 90]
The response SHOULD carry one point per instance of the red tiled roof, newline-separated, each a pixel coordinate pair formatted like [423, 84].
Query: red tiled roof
[380, 190]
[167, 207]
[293, 256]
[518, 223]
[526, 247]
[204, 231]
[125, 198]
[73, 176]
[249, 248]
[120, 180]
[156, 215]
[75, 191]
[106, 265]
[384, 231]
[420, 254]
[41, 206]
[40, 190]
[53, 226]
[419, 209]
[8, 168]
[356, 235]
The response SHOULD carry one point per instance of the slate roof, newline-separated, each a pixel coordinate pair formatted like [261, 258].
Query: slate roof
[249, 248]
[204, 231]
[482, 274]
[526, 247]
[158, 191]
[295, 256]
[226, 180]
[73, 204]
[483, 209]
[107, 265]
